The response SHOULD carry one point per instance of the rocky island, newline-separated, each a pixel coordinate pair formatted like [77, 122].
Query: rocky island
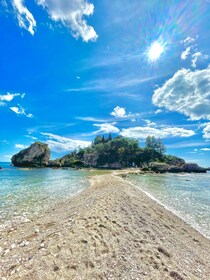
[109, 153]
[37, 155]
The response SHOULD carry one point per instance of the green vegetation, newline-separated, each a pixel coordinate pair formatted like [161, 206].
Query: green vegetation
[118, 152]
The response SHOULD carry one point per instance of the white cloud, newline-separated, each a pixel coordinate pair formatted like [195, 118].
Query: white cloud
[149, 123]
[187, 92]
[90, 119]
[32, 137]
[189, 45]
[185, 53]
[144, 132]
[9, 97]
[20, 146]
[195, 57]
[71, 14]
[63, 144]
[24, 16]
[119, 112]
[205, 149]
[188, 41]
[191, 51]
[206, 131]
[106, 128]
[158, 111]
[21, 111]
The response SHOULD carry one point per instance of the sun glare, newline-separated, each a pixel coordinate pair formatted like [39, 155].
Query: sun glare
[155, 51]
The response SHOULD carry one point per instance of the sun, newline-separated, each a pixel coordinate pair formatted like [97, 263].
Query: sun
[155, 51]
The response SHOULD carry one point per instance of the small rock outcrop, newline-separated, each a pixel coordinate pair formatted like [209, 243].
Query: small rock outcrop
[159, 167]
[37, 155]
[186, 167]
[193, 167]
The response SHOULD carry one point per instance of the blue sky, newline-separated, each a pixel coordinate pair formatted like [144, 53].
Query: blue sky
[73, 69]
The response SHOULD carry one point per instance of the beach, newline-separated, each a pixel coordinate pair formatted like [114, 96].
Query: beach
[110, 230]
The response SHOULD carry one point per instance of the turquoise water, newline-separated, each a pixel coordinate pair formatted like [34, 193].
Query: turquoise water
[27, 192]
[187, 195]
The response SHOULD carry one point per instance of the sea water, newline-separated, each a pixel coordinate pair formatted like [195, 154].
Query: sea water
[26, 192]
[186, 195]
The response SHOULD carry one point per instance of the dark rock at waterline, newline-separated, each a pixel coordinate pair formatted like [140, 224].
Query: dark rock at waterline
[193, 167]
[37, 155]
[175, 169]
[159, 167]
[186, 167]
[54, 163]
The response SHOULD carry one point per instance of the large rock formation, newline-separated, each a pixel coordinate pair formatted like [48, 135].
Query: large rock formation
[186, 167]
[159, 167]
[193, 167]
[37, 155]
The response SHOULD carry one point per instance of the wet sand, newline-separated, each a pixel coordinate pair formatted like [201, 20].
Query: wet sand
[111, 230]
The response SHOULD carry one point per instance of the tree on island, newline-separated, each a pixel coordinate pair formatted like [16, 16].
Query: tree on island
[118, 151]
[155, 144]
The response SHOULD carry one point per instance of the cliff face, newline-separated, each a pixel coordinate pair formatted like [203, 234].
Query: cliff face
[38, 154]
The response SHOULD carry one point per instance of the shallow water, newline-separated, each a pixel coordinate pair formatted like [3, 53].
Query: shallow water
[26, 192]
[187, 195]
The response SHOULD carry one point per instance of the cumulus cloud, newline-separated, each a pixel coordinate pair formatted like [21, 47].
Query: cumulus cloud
[63, 144]
[9, 97]
[144, 132]
[20, 146]
[21, 111]
[187, 92]
[71, 14]
[24, 16]
[206, 131]
[106, 128]
[120, 112]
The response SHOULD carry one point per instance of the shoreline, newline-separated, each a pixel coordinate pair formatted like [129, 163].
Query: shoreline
[176, 213]
[110, 230]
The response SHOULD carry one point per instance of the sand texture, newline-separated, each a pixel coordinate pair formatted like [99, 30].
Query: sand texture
[111, 230]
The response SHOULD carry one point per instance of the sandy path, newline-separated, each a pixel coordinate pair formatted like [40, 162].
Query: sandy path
[109, 231]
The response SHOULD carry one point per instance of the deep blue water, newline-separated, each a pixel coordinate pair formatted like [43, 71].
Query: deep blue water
[25, 192]
[187, 195]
